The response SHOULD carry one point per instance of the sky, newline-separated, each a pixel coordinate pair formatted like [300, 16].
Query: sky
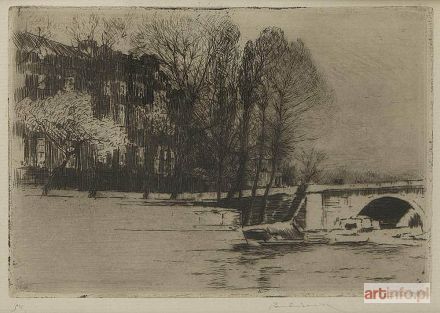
[377, 60]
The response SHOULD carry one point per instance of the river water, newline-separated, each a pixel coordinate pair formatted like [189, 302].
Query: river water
[69, 245]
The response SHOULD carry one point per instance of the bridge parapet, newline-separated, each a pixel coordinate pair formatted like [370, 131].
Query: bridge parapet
[325, 204]
[410, 184]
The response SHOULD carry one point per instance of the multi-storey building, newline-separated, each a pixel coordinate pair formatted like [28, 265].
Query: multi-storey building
[121, 86]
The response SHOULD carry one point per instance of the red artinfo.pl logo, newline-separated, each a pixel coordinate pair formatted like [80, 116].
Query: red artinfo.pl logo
[397, 293]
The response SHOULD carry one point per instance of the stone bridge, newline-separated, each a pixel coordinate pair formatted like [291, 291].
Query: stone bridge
[392, 204]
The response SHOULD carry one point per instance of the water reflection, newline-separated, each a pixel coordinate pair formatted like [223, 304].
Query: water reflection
[281, 270]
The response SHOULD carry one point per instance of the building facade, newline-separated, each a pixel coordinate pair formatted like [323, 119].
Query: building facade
[121, 86]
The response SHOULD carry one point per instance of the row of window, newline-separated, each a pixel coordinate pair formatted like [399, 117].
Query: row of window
[110, 87]
[163, 159]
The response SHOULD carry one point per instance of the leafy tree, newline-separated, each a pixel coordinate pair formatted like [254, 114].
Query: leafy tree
[67, 121]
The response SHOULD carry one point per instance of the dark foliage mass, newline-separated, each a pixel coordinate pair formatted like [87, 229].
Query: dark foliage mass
[186, 110]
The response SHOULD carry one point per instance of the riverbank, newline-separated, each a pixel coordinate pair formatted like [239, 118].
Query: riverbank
[32, 189]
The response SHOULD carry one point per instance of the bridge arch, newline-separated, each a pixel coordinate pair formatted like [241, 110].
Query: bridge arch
[393, 211]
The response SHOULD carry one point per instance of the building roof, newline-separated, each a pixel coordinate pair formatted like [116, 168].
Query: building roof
[32, 43]
[29, 42]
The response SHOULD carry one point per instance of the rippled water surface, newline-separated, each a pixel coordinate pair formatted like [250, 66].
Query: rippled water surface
[70, 245]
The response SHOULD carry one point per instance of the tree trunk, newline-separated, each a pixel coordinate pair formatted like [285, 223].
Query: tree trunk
[219, 180]
[243, 158]
[184, 141]
[266, 192]
[146, 187]
[56, 171]
[254, 188]
[300, 194]
[148, 169]
[260, 160]
[183, 147]
[177, 180]
[256, 180]
[93, 182]
[238, 186]
[257, 177]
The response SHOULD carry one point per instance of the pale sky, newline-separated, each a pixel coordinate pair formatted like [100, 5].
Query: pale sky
[376, 60]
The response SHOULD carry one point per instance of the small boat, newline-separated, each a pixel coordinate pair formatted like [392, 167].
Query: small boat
[281, 233]
[354, 230]
[255, 237]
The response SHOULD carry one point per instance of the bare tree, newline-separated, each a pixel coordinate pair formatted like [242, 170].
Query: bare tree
[310, 165]
[158, 126]
[297, 87]
[42, 26]
[105, 31]
[67, 121]
[185, 47]
[219, 112]
[115, 29]
[264, 97]
[310, 168]
[83, 28]
[257, 58]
